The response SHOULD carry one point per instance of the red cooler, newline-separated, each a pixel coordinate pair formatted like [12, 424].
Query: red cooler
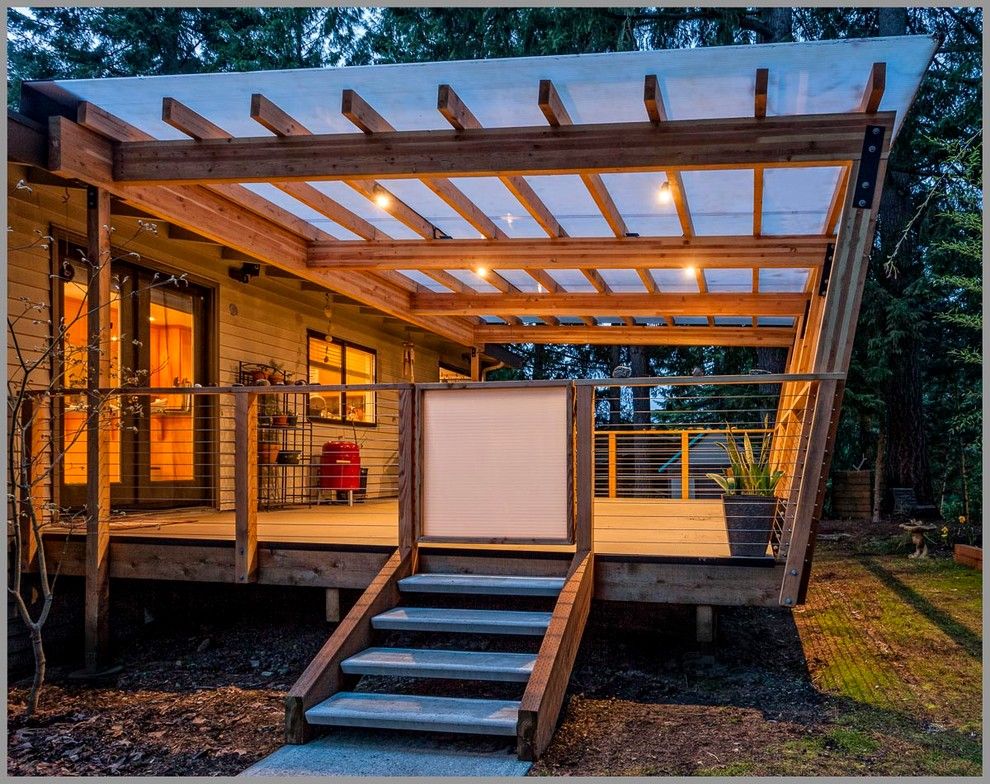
[340, 466]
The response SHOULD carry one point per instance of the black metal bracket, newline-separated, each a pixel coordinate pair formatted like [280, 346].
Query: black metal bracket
[826, 269]
[869, 165]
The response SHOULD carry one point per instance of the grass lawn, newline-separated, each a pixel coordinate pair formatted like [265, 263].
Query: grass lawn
[880, 673]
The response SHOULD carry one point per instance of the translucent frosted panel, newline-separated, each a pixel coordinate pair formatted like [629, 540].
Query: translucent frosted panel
[286, 202]
[572, 280]
[623, 281]
[783, 280]
[729, 280]
[636, 196]
[432, 207]
[474, 281]
[721, 202]
[609, 321]
[571, 204]
[775, 321]
[733, 321]
[498, 203]
[690, 321]
[796, 201]
[530, 320]
[650, 322]
[492, 319]
[675, 281]
[521, 279]
[364, 207]
[425, 280]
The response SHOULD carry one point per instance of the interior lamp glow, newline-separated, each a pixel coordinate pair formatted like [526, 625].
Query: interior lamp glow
[664, 195]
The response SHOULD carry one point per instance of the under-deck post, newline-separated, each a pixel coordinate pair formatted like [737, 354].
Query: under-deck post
[246, 486]
[475, 364]
[584, 397]
[407, 468]
[33, 498]
[704, 623]
[97, 624]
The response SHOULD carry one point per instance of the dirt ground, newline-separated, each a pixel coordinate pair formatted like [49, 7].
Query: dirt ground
[878, 674]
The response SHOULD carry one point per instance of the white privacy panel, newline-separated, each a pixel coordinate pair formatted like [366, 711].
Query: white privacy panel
[495, 463]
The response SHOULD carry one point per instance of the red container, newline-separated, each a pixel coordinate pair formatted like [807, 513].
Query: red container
[340, 466]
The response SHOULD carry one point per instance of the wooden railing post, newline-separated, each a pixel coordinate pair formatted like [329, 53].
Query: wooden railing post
[408, 468]
[98, 292]
[246, 486]
[685, 464]
[584, 467]
[612, 479]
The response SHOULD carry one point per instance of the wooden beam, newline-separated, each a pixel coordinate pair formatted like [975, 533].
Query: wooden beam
[564, 304]
[757, 201]
[544, 696]
[760, 93]
[596, 280]
[461, 118]
[838, 199]
[575, 253]
[804, 140]
[365, 117]
[408, 439]
[640, 336]
[191, 123]
[98, 333]
[557, 115]
[875, 87]
[246, 487]
[657, 113]
[84, 154]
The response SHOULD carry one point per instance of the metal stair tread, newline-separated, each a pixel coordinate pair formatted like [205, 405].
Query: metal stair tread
[417, 712]
[433, 663]
[445, 619]
[484, 584]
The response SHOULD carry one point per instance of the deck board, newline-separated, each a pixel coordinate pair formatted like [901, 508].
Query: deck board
[623, 526]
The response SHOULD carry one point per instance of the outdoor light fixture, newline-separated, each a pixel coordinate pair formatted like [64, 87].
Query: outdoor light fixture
[689, 270]
[382, 200]
[481, 272]
[664, 195]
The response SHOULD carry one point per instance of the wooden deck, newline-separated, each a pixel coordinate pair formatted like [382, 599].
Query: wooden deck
[623, 526]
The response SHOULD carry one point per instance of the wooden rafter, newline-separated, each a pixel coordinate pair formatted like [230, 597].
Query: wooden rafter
[365, 117]
[651, 288]
[575, 253]
[557, 115]
[760, 93]
[760, 112]
[657, 113]
[529, 304]
[803, 140]
[460, 117]
[639, 335]
[875, 87]
[279, 122]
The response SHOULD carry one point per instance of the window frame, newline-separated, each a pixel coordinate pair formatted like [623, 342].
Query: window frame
[344, 345]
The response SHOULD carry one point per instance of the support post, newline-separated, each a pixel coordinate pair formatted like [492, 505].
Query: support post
[584, 488]
[246, 486]
[704, 623]
[97, 625]
[408, 415]
[32, 501]
[475, 364]
[333, 605]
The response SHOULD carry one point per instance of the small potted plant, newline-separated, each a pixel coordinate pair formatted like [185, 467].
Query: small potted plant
[268, 447]
[277, 372]
[269, 409]
[749, 501]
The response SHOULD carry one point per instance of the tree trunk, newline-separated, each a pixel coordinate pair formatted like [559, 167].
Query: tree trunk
[781, 24]
[39, 670]
[878, 474]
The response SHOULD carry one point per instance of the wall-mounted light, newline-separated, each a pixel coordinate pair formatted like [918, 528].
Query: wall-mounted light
[245, 272]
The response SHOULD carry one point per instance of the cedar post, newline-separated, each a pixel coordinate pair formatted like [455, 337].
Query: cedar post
[408, 414]
[97, 429]
[583, 459]
[246, 486]
[475, 364]
[33, 495]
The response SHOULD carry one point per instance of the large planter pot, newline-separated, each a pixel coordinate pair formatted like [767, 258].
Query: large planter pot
[968, 555]
[749, 521]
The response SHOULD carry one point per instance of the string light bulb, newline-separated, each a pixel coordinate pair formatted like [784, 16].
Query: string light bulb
[481, 271]
[689, 271]
[382, 200]
[664, 196]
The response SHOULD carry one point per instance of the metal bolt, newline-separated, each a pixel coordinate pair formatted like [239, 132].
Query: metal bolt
[872, 148]
[865, 184]
[876, 131]
[788, 601]
[862, 202]
[793, 572]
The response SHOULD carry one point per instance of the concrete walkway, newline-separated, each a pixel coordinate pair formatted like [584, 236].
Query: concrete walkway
[358, 752]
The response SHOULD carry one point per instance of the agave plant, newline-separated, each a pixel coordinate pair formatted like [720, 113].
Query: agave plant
[747, 473]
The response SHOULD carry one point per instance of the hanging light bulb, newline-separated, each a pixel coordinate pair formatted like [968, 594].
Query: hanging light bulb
[382, 199]
[689, 271]
[481, 271]
[664, 195]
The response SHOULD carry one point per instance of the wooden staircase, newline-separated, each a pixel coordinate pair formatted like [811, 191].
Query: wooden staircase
[325, 695]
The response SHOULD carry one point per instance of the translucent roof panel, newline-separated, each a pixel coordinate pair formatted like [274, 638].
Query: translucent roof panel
[690, 321]
[572, 280]
[721, 202]
[474, 280]
[649, 321]
[623, 281]
[570, 321]
[521, 279]
[704, 82]
[676, 281]
[775, 321]
[733, 321]
[783, 280]
[492, 320]
[282, 199]
[796, 201]
[425, 280]
[734, 281]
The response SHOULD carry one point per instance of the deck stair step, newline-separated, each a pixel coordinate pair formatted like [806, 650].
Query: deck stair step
[415, 712]
[445, 619]
[491, 585]
[430, 663]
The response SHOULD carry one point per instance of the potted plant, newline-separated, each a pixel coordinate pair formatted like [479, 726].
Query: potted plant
[268, 447]
[269, 409]
[277, 374]
[749, 500]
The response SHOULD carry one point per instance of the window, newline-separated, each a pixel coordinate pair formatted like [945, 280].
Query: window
[332, 362]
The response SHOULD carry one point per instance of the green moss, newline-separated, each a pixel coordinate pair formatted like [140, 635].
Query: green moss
[740, 768]
[852, 741]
